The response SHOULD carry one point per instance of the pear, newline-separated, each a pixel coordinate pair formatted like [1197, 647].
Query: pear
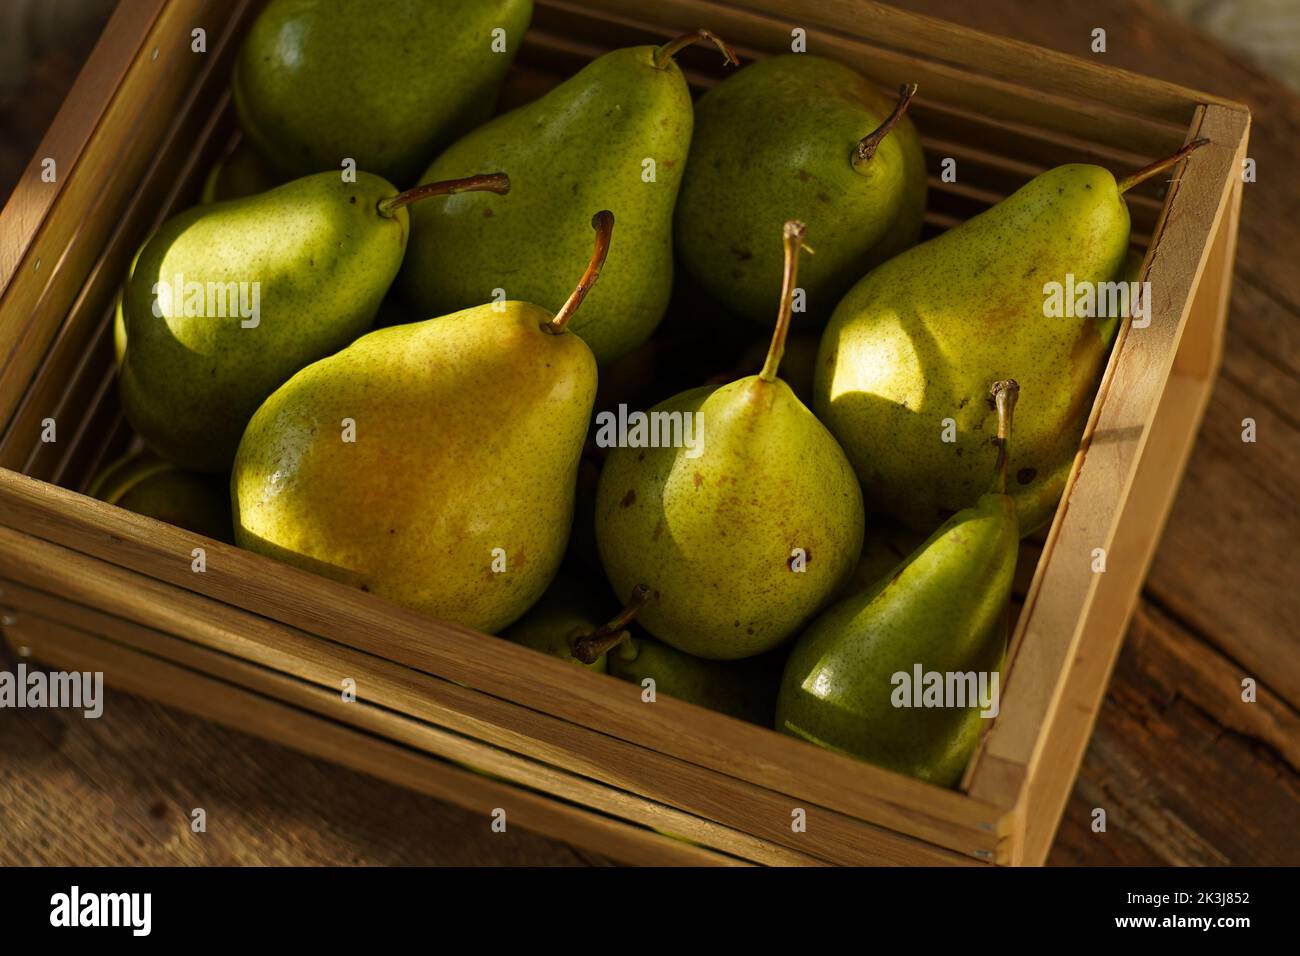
[151, 486]
[797, 137]
[747, 534]
[227, 300]
[431, 463]
[744, 689]
[384, 83]
[944, 611]
[566, 623]
[902, 365]
[884, 546]
[237, 174]
[615, 135]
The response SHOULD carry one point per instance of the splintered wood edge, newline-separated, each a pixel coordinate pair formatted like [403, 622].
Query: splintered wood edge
[1060, 608]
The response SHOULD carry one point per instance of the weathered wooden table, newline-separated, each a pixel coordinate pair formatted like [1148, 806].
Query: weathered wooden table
[1187, 772]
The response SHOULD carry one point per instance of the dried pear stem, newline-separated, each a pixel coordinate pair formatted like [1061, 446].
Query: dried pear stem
[1005, 394]
[793, 237]
[588, 649]
[669, 49]
[866, 147]
[603, 223]
[489, 182]
[1146, 172]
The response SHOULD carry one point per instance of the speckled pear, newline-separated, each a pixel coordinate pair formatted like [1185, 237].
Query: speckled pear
[747, 534]
[615, 135]
[385, 83]
[431, 463]
[239, 173]
[904, 364]
[797, 137]
[850, 683]
[229, 299]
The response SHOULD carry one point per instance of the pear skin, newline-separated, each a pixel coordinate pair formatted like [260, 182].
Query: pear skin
[568, 611]
[308, 261]
[776, 141]
[914, 343]
[743, 689]
[385, 83]
[745, 537]
[944, 610]
[454, 495]
[239, 173]
[148, 485]
[582, 146]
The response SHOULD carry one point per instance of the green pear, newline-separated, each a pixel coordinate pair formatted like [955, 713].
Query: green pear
[615, 135]
[798, 364]
[901, 370]
[848, 683]
[797, 137]
[449, 487]
[228, 299]
[385, 83]
[744, 689]
[151, 486]
[747, 530]
[237, 174]
[566, 623]
[884, 547]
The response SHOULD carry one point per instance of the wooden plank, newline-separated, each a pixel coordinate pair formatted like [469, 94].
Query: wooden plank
[375, 714]
[71, 649]
[1059, 609]
[364, 622]
[730, 802]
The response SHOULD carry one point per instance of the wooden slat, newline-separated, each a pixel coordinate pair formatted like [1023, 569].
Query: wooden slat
[1065, 616]
[370, 714]
[251, 713]
[724, 799]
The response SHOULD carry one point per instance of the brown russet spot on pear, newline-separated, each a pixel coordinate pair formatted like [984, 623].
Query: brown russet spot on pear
[488, 406]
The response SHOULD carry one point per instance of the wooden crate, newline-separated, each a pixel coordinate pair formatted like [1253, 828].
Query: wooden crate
[264, 647]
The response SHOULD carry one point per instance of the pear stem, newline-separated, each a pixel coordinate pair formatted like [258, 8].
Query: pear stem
[489, 182]
[1005, 394]
[1146, 172]
[866, 147]
[603, 223]
[793, 236]
[666, 52]
[589, 648]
